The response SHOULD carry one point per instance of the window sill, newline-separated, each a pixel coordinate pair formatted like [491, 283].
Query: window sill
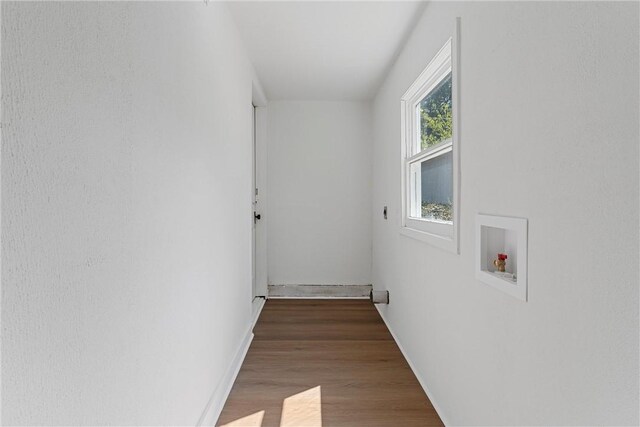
[446, 243]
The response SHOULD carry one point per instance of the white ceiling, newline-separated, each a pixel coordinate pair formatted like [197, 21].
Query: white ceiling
[324, 50]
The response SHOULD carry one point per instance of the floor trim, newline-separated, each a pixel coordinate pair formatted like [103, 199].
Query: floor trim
[214, 407]
[300, 291]
[325, 298]
[415, 371]
[258, 305]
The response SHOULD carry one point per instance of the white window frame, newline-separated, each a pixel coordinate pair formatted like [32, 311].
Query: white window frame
[437, 233]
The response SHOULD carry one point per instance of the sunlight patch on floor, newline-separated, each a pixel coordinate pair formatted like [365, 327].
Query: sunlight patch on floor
[302, 409]
[253, 420]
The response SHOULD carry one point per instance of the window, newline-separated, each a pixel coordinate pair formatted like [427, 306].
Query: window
[430, 153]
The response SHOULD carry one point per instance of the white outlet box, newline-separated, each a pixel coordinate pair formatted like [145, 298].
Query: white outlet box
[501, 234]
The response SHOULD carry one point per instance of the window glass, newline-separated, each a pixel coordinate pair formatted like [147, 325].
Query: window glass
[434, 112]
[432, 188]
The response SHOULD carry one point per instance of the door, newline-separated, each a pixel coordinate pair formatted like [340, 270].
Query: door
[256, 215]
[259, 228]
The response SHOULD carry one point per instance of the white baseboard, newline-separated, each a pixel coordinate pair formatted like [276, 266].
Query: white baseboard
[216, 403]
[297, 291]
[415, 371]
[325, 298]
[258, 305]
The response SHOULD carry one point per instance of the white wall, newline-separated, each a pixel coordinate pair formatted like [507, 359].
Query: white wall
[319, 186]
[126, 210]
[549, 116]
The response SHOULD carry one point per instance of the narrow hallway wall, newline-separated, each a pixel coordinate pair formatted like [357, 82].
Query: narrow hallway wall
[319, 169]
[549, 132]
[126, 210]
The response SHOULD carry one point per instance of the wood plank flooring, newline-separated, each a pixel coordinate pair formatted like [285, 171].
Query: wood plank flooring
[328, 363]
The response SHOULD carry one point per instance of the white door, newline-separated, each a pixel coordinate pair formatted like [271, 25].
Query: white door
[256, 215]
[259, 231]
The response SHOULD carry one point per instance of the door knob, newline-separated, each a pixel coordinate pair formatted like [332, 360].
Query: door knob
[256, 216]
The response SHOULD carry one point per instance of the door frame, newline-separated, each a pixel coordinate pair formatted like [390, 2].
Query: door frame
[259, 277]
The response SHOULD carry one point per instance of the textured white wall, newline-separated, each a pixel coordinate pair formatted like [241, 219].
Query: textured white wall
[125, 209]
[549, 116]
[318, 214]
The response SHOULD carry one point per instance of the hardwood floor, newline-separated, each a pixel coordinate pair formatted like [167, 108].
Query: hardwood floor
[328, 363]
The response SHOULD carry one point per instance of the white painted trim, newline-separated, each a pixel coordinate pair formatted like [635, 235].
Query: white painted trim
[422, 382]
[441, 235]
[258, 305]
[219, 397]
[261, 233]
[436, 240]
[429, 78]
[455, 111]
[1, 139]
[217, 400]
[319, 291]
[254, 201]
[325, 298]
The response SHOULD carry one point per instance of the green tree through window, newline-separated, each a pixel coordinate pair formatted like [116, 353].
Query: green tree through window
[435, 115]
